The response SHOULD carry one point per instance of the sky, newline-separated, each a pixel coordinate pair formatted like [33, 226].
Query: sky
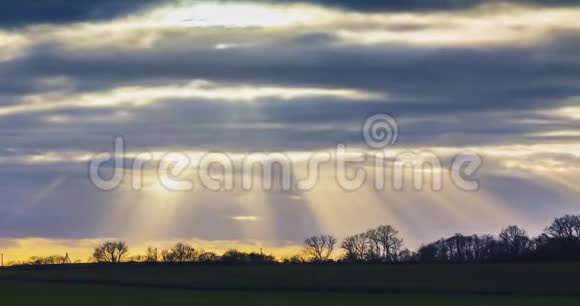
[496, 79]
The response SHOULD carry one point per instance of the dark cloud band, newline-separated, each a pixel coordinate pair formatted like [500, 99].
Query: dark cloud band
[15, 13]
[432, 5]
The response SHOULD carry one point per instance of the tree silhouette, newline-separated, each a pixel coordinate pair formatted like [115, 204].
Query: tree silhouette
[180, 252]
[388, 242]
[561, 240]
[460, 249]
[356, 247]
[514, 241]
[566, 227]
[152, 255]
[111, 252]
[319, 248]
[235, 256]
[207, 257]
[49, 260]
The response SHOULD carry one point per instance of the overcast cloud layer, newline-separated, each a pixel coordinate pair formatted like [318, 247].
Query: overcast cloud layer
[499, 78]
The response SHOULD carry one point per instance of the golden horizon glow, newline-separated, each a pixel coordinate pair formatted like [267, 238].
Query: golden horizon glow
[18, 251]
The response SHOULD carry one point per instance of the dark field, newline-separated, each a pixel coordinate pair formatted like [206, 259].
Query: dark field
[518, 284]
[13, 293]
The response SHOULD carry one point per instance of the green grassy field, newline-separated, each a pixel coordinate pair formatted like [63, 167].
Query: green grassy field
[521, 284]
[17, 293]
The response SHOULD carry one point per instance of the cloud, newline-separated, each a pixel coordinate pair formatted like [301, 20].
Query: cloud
[194, 90]
[433, 5]
[500, 80]
[21, 13]
[26, 13]
[445, 79]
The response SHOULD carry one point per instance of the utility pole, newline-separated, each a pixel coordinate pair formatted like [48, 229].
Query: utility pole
[2, 260]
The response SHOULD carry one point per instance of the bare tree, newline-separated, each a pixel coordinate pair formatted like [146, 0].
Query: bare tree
[207, 257]
[356, 247]
[112, 252]
[319, 248]
[566, 227]
[514, 240]
[180, 252]
[294, 259]
[49, 260]
[151, 255]
[484, 247]
[374, 250]
[387, 239]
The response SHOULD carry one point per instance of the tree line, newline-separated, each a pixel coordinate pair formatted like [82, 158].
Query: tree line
[116, 252]
[560, 241]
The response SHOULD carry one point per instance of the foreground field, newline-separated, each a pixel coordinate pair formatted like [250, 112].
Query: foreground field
[130, 284]
[522, 279]
[17, 293]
